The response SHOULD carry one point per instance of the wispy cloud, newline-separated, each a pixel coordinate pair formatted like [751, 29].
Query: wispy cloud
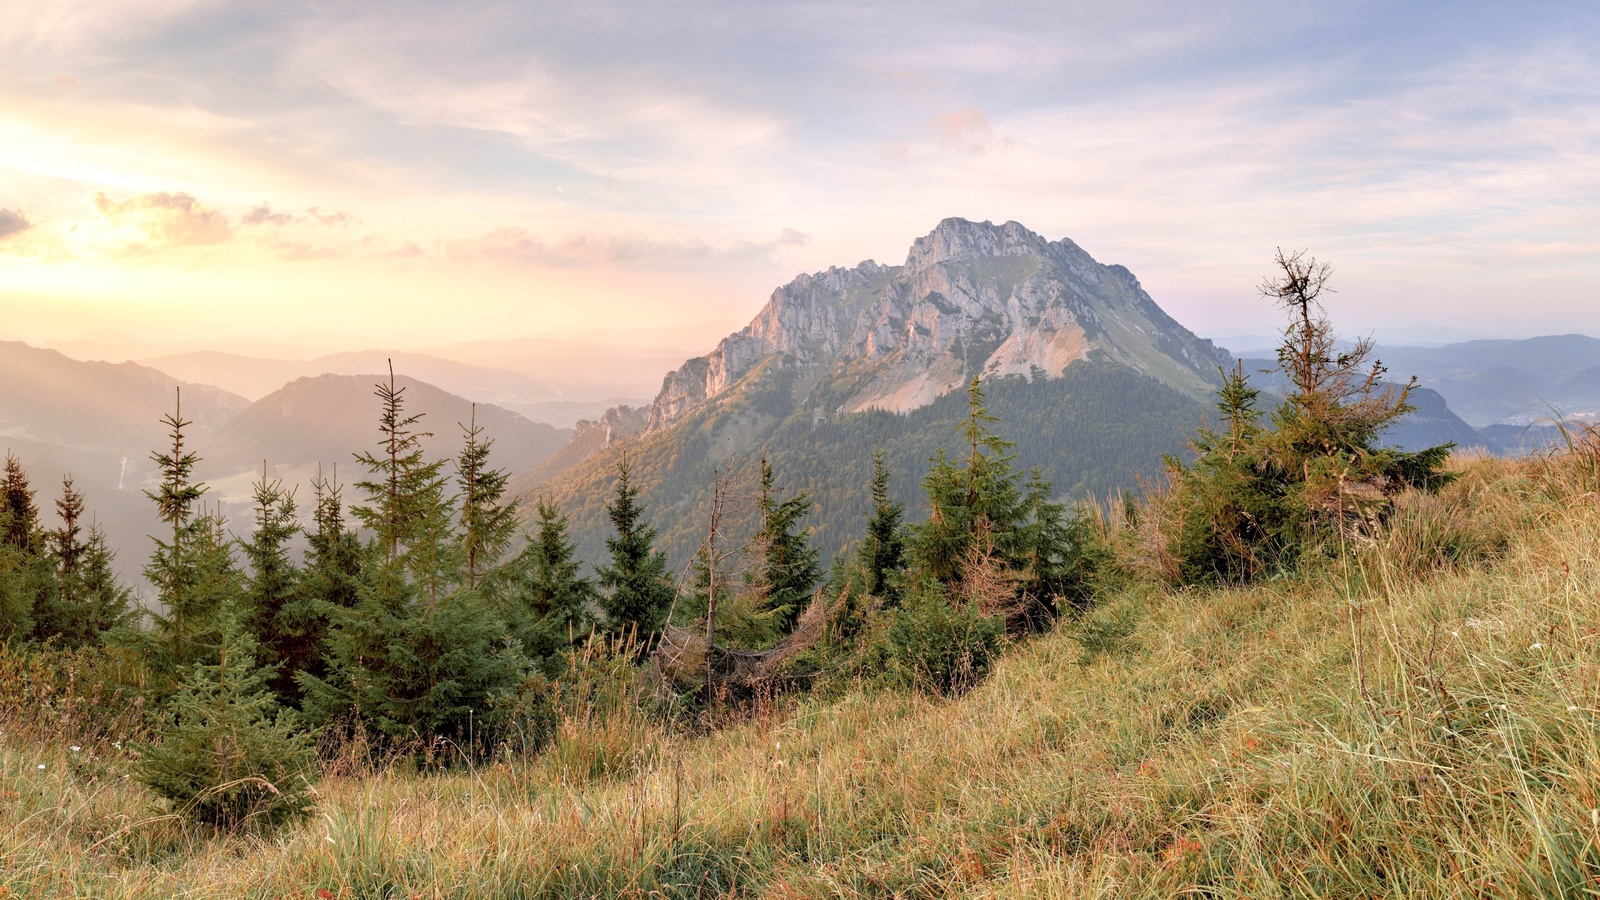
[518, 246]
[265, 215]
[13, 222]
[1437, 159]
[168, 219]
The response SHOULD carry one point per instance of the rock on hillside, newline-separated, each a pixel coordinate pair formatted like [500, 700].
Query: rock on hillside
[971, 298]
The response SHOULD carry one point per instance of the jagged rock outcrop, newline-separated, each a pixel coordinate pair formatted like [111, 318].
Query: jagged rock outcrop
[617, 422]
[971, 298]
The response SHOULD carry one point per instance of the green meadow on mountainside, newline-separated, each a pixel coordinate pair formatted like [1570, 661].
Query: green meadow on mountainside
[1415, 718]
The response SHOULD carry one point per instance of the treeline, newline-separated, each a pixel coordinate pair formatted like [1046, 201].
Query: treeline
[419, 621]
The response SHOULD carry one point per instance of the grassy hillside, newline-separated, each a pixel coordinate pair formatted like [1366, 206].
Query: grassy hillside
[1419, 719]
[1090, 432]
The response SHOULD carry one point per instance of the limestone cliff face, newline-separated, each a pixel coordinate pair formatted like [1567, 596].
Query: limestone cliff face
[971, 298]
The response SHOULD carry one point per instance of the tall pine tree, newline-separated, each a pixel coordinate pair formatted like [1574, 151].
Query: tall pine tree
[786, 568]
[407, 508]
[550, 600]
[172, 569]
[637, 591]
[487, 523]
[883, 550]
[91, 601]
[274, 586]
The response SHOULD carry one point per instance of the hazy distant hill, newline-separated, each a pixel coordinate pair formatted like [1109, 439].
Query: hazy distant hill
[1090, 377]
[113, 407]
[98, 421]
[256, 377]
[329, 418]
[580, 369]
[1513, 382]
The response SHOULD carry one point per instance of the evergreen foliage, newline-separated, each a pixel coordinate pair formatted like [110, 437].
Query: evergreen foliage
[29, 594]
[90, 602]
[330, 584]
[882, 553]
[487, 523]
[551, 602]
[232, 757]
[785, 567]
[941, 647]
[173, 569]
[17, 595]
[414, 670]
[984, 515]
[333, 563]
[1257, 500]
[637, 590]
[20, 515]
[407, 509]
[273, 603]
[420, 655]
[101, 605]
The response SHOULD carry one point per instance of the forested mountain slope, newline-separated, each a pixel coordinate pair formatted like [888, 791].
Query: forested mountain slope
[1090, 432]
[1091, 378]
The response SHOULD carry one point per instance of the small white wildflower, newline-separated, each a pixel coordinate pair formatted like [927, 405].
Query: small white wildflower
[1455, 634]
[1573, 709]
[75, 748]
[41, 767]
[1502, 707]
[1536, 647]
[117, 744]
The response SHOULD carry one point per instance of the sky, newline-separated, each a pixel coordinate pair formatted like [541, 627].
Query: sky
[413, 173]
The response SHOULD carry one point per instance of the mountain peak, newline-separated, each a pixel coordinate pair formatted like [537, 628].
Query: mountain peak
[956, 239]
[973, 298]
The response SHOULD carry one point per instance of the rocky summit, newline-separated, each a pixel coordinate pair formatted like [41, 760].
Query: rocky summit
[972, 298]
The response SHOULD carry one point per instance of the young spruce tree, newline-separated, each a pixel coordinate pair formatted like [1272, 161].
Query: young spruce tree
[1257, 500]
[637, 591]
[29, 592]
[273, 589]
[550, 601]
[487, 522]
[230, 756]
[92, 602]
[787, 567]
[883, 550]
[193, 573]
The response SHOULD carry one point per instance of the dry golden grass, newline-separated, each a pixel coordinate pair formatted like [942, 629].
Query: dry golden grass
[1414, 721]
